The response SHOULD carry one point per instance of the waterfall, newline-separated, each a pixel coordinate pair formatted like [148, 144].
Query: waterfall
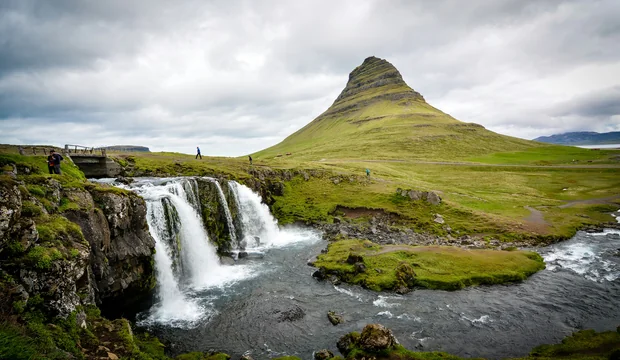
[229, 219]
[256, 219]
[173, 305]
[185, 259]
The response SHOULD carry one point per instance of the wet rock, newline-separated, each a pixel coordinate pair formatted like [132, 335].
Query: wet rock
[376, 338]
[335, 280]
[323, 355]
[246, 357]
[320, 274]
[124, 180]
[242, 254]
[347, 343]
[360, 267]
[292, 314]
[334, 318]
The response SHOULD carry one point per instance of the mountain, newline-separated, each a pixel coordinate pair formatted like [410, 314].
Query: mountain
[127, 148]
[582, 138]
[378, 116]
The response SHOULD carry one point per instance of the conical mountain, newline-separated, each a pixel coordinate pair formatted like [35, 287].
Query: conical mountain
[378, 116]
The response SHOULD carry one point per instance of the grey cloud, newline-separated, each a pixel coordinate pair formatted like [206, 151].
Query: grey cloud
[242, 75]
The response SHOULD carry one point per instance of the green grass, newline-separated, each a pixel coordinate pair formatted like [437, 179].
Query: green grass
[435, 267]
[584, 344]
[551, 155]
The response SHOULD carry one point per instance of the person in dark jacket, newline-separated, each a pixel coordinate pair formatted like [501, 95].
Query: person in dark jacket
[250, 157]
[53, 162]
[198, 153]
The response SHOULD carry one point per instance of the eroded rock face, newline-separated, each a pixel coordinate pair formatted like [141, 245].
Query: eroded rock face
[122, 248]
[10, 209]
[107, 259]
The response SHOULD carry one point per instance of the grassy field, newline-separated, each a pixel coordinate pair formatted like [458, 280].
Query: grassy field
[434, 267]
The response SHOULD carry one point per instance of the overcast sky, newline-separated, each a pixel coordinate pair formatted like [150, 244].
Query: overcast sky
[238, 76]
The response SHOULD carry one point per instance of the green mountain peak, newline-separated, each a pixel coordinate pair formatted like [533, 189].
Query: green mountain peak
[378, 116]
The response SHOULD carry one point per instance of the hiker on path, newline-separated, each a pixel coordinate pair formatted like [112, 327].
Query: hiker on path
[53, 162]
[368, 173]
[198, 153]
[250, 157]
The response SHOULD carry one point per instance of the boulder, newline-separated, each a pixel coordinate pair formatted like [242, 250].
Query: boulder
[347, 343]
[294, 313]
[360, 267]
[439, 219]
[433, 198]
[334, 318]
[323, 355]
[376, 338]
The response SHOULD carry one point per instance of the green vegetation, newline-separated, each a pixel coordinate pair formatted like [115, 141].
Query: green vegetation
[434, 267]
[56, 227]
[584, 344]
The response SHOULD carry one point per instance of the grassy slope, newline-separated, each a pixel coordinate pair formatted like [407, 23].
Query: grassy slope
[435, 267]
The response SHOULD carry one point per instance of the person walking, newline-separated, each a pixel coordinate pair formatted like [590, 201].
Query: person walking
[368, 173]
[198, 153]
[250, 157]
[53, 162]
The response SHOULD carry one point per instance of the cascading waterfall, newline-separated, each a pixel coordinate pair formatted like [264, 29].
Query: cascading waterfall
[185, 258]
[229, 219]
[256, 219]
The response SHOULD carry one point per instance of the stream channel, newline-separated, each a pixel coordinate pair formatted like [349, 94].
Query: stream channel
[268, 304]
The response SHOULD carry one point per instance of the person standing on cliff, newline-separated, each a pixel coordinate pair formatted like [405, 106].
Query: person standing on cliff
[53, 162]
[198, 153]
[250, 157]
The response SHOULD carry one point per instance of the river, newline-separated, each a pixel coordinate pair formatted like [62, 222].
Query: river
[268, 305]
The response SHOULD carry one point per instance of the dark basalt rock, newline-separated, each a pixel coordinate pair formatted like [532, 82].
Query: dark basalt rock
[376, 338]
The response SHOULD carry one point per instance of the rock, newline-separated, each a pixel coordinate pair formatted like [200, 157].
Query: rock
[335, 280]
[112, 356]
[242, 254]
[439, 219]
[293, 314]
[355, 258]
[402, 290]
[246, 357]
[320, 274]
[124, 180]
[347, 343]
[334, 318]
[323, 355]
[10, 209]
[360, 267]
[80, 320]
[376, 338]
[337, 220]
[336, 181]
[433, 198]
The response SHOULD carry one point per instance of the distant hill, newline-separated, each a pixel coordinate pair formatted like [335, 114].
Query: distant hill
[582, 138]
[127, 148]
[378, 116]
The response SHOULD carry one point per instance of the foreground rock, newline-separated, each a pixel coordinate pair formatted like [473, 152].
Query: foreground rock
[374, 338]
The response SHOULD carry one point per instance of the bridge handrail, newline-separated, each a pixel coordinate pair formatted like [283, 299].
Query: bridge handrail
[80, 149]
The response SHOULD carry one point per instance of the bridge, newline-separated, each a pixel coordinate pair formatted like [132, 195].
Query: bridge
[94, 162]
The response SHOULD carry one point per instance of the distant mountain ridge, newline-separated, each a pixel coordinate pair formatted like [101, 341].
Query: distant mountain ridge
[127, 148]
[582, 138]
[378, 116]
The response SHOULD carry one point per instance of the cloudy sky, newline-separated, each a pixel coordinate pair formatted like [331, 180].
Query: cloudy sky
[237, 76]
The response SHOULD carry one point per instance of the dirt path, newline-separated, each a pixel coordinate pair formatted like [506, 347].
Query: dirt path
[599, 201]
[536, 221]
[593, 166]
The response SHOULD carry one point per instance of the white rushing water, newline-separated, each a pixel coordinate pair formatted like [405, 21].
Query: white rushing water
[186, 261]
[256, 219]
[199, 263]
[224, 204]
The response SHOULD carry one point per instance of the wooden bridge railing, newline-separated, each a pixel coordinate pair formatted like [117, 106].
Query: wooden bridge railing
[79, 149]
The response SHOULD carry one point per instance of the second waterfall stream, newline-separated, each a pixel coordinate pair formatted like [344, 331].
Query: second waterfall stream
[186, 258]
